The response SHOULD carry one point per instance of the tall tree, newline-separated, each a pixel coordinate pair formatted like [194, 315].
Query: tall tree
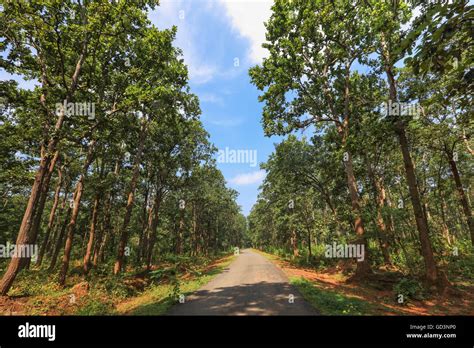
[313, 46]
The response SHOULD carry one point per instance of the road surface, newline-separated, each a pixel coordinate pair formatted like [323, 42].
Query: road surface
[251, 285]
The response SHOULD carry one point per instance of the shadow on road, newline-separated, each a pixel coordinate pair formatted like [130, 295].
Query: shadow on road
[248, 299]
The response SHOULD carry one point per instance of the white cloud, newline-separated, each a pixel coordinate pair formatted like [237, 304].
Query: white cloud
[248, 178]
[180, 13]
[211, 98]
[415, 13]
[247, 18]
[198, 73]
[225, 121]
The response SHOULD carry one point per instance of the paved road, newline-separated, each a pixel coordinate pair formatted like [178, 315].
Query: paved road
[251, 285]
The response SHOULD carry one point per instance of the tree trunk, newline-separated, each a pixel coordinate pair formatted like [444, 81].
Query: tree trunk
[432, 273]
[99, 257]
[90, 243]
[147, 237]
[153, 228]
[462, 195]
[23, 237]
[363, 267]
[142, 236]
[106, 224]
[310, 255]
[421, 223]
[57, 226]
[294, 243]
[179, 237]
[380, 199]
[391, 221]
[52, 215]
[74, 214]
[35, 227]
[131, 196]
[98, 243]
[59, 242]
[47, 156]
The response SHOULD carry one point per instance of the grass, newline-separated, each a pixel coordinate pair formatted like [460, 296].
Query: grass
[325, 301]
[94, 306]
[329, 302]
[159, 298]
[329, 292]
[36, 291]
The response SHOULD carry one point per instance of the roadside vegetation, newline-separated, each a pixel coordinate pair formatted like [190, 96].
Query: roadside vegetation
[105, 167]
[326, 287]
[383, 172]
[151, 292]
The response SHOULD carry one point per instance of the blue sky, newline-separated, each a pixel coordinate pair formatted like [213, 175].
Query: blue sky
[212, 35]
[220, 41]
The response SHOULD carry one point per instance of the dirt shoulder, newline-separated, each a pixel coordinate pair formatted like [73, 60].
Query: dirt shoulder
[330, 288]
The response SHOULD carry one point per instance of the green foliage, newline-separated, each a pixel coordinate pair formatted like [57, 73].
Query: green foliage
[328, 302]
[95, 307]
[34, 283]
[352, 166]
[161, 274]
[461, 262]
[114, 287]
[159, 298]
[410, 289]
[145, 142]
[146, 162]
[175, 290]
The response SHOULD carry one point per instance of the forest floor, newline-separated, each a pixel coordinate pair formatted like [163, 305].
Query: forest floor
[329, 291]
[36, 292]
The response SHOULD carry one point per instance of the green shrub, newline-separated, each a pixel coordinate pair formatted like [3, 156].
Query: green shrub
[114, 287]
[162, 274]
[329, 302]
[410, 289]
[95, 307]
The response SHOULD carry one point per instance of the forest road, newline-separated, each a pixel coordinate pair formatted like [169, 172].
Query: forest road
[251, 285]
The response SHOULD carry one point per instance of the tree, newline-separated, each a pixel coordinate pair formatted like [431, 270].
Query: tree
[309, 54]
